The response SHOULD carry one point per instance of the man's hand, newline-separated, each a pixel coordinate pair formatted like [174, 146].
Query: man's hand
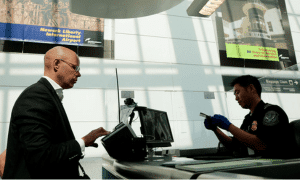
[90, 138]
[220, 121]
[208, 124]
[2, 163]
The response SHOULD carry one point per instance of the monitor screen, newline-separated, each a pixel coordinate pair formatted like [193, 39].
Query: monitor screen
[155, 127]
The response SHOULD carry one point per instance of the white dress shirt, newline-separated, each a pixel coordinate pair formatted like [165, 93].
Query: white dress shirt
[59, 91]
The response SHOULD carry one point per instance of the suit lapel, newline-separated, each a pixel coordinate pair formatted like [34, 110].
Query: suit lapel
[59, 106]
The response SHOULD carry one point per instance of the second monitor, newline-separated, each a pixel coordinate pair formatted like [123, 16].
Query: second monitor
[155, 127]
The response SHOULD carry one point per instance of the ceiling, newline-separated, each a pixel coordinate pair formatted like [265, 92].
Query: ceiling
[121, 9]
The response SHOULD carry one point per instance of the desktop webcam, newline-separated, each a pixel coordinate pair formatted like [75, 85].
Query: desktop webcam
[128, 95]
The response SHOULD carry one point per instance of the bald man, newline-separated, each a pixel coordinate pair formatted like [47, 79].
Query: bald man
[41, 143]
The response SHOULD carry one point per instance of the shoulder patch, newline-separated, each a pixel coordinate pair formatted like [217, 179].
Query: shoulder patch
[271, 118]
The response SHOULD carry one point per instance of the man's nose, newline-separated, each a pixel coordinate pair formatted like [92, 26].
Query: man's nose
[77, 74]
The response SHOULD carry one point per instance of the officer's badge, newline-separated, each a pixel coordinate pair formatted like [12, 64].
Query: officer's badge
[254, 126]
[271, 118]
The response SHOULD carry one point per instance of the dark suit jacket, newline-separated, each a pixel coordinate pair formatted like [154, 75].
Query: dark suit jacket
[41, 143]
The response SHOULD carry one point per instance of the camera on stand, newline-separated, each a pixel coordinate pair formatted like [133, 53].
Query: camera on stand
[130, 105]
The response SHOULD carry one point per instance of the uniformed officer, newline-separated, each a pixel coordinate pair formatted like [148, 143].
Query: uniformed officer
[265, 130]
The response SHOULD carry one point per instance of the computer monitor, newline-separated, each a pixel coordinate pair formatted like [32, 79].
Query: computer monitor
[156, 128]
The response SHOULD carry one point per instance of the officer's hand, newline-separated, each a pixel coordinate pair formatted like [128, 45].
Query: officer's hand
[220, 121]
[90, 138]
[208, 124]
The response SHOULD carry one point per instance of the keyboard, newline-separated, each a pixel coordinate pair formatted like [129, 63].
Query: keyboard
[213, 157]
[223, 165]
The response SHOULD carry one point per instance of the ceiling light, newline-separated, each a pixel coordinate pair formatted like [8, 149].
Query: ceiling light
[204, 8]
[205, 13]
[219, 2]
[213, 6]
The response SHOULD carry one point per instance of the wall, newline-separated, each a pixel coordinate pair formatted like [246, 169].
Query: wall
[168, 59]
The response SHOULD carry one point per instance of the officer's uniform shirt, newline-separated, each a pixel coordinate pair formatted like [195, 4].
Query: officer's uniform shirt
[271, 125]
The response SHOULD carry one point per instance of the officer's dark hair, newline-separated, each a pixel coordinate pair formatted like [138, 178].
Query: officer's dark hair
[246, 80]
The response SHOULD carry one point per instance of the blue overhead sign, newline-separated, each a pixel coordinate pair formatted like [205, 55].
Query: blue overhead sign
[52, 34]
[12, 31]
[48, 22]
[20, 32]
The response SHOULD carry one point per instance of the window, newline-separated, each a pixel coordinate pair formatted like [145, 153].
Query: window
[270, 26]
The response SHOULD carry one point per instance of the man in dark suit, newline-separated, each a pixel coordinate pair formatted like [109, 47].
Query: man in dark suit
[41, 143]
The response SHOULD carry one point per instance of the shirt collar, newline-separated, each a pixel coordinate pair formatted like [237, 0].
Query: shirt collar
[56, 87]
[53, 83]
[258, 108]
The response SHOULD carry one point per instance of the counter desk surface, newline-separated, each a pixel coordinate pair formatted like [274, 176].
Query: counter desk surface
[161, 169]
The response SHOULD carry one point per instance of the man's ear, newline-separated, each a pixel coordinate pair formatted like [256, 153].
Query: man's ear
[55, 64]
[252, 88]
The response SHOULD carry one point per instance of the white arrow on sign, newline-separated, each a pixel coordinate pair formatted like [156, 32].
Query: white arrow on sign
[296, 82]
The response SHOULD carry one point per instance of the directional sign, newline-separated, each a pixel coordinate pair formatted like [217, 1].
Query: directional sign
[280, 85]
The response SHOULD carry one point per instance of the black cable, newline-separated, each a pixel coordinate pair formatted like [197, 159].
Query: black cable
[118, 95]
[131, 117]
